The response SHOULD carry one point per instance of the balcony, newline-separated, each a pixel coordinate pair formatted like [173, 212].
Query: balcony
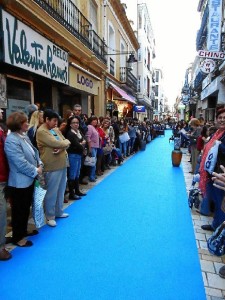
[127, 77]
[68, 15]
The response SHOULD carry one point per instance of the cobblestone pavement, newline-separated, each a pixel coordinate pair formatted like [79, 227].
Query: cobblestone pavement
[210, 264]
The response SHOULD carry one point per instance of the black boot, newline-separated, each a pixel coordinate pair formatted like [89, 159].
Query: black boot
[72, 196]
[77, 190]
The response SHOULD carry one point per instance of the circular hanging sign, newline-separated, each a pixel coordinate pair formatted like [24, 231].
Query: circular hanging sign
[208, 66]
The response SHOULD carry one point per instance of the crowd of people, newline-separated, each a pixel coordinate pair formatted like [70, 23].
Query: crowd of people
[44, 145]
[200, 137]
[40, 145]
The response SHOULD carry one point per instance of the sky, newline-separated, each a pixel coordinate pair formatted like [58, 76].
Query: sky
[175, 24]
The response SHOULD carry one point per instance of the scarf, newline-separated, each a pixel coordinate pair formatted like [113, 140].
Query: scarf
[204, 176]
[77, 133]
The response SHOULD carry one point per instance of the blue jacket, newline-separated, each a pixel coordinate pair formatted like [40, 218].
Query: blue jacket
[22, 161]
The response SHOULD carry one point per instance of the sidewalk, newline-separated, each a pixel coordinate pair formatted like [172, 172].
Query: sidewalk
[210, 264]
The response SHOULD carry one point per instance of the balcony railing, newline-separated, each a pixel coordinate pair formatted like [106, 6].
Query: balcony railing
[68, 15]
[127, 77]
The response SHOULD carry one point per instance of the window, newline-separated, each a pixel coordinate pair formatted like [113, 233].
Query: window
[111, 48]
[148, 87]
[19, 94]
[93, 16]
[156, 90]
[139, 84]
[145, 24]
[139, 20]
[157, 76]
[139, 54]
[122, 57]
[112, 66]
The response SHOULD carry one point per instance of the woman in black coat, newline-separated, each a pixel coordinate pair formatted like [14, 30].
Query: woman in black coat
[75, 153]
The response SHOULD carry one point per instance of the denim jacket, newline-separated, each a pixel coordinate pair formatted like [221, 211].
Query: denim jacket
[23, 162]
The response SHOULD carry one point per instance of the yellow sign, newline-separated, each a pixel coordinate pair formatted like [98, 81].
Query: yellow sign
[83, 82]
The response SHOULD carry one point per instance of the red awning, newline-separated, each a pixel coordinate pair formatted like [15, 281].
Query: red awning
[123, 94]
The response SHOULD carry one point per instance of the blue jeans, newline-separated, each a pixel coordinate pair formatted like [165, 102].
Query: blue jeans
[2, 216]
[54, 198]
[93, 169]
[75, 165]
[117, 152]
[123, 147]
[206, 200]
[131, 143]
[219, 214]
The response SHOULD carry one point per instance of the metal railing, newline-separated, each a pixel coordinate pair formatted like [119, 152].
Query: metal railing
[127, 77]
[68, 15]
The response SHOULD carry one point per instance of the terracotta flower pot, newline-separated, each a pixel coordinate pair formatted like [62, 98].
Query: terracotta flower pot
[176, 157]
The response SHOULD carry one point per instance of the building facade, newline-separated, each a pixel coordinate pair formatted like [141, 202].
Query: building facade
[146, 55]
[121, 74]
[207, 85]
[54, 53]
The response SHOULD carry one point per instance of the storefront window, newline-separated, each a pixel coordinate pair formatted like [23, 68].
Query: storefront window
[19, 95]
[124, 109]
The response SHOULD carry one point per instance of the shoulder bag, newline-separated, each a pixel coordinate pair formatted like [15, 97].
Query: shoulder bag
[37, 206]
[90, 161]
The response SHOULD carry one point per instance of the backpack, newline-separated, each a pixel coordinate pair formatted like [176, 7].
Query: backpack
[193, 198]
[216, 243]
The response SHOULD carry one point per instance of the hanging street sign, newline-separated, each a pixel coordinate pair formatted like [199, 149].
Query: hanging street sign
[185, 99]
[214, 24]
[207, 66]
[211, 54]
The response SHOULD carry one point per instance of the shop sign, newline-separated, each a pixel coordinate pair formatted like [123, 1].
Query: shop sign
[84, 81]
[27, 49]
[185, 99]
[208, 66]
[214, 25]
[211, 54]
[139, 108]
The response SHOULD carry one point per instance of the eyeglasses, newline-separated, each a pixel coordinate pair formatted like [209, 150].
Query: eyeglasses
[74, 123]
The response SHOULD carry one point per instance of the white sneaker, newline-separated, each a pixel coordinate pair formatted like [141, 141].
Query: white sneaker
[51, 223]
[64, 215]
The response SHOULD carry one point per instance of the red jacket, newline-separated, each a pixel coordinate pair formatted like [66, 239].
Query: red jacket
[4, 169]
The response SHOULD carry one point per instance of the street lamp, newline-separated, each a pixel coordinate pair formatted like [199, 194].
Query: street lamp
[131, 58]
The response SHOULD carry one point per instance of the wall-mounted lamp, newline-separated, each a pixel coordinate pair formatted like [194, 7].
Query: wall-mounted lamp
[131, 58]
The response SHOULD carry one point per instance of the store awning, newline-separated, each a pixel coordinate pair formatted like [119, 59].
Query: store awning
[123, 94]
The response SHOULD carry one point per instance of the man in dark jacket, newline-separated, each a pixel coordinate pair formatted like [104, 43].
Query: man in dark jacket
[4, 172]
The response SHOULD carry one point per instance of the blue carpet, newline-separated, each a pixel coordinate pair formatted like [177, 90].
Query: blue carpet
[131, 237]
